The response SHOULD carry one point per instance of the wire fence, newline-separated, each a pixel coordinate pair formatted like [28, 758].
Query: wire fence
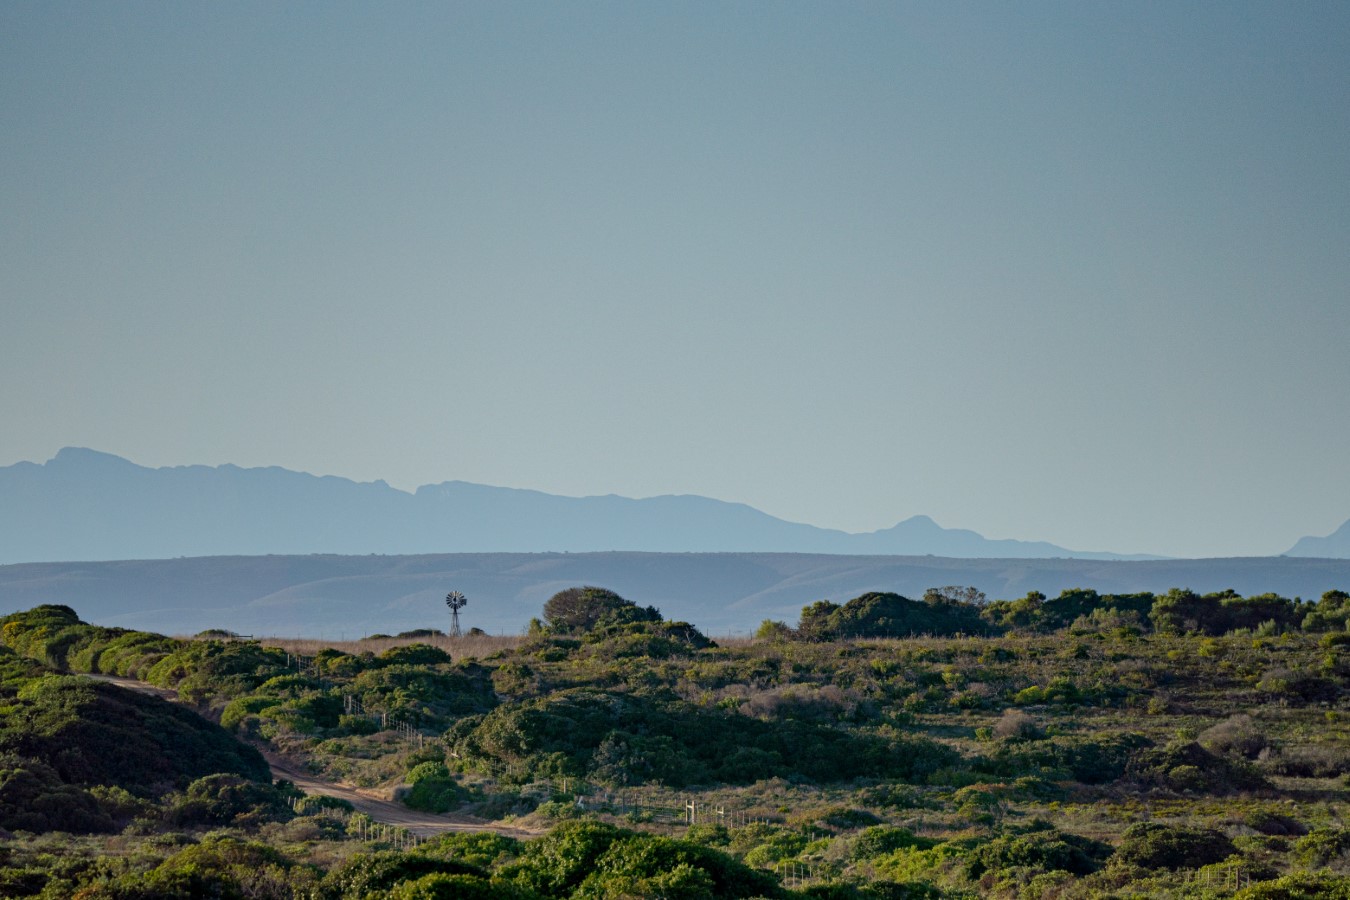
[675, 809]
[1231, 877]
[358, 825]
[793, 873]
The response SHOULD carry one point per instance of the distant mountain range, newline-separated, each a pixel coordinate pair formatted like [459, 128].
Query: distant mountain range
[87, 505]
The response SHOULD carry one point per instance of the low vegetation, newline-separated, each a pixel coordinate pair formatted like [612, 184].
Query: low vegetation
[1082, 746]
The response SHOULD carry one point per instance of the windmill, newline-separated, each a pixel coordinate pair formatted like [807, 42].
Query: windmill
[456, 601]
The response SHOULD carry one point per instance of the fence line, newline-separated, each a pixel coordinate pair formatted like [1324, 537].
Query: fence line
[358, 824]
[793, 873]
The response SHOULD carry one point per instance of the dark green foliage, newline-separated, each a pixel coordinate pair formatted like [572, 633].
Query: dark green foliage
[424, 695]
[654, 640]
[1090, 759]
[1330, 613]
[458, 887]
[1046, 851]
[881, 839]
[222, 868]
[484, 849]
[415, 655]
[1274, 823]
[625, 738]
[580, 609]
[96, 733]
[432, 788]
[1298, 686]
[890, 615]
[556, 864]
[33, 797]
[1187, 766]
[645, 703]
[1183, 611]
[1299, 886]
[364, 874]
[219, 669]
[589, 859]
[1323, 846]
[1153, 846]
[772, 630]
[875, 890]
[422, 633]
[1066, 608]
[644, 865]
[224, 799]
[16, 671]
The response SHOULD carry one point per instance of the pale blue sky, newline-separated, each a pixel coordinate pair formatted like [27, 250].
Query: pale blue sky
[1076, 272]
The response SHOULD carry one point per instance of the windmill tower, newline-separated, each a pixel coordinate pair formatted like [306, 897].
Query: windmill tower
[456, 601]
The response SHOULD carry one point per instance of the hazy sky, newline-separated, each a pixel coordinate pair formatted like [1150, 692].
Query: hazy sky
[1076, 272]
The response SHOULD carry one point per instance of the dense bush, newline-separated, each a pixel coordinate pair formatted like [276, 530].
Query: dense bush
[224, 799]
[588, 859]
[1187, 766]
[580, 609]
[34, 797]
[1046, 851]
[365, 874]
[880, 614]
[1153, 846]
[432, 789]
[1090, 759]
[96, 733]
[626, 739]
[1323, 846]
[880, 839]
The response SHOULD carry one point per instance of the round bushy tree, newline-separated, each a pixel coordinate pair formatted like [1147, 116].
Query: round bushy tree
[581, 609]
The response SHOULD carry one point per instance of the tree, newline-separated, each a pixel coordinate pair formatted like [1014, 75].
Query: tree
[954, 595]
[581, 609]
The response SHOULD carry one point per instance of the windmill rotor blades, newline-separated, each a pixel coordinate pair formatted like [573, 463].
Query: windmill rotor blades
[455, 600]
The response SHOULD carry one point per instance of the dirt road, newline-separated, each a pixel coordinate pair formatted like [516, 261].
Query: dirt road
[362, 800]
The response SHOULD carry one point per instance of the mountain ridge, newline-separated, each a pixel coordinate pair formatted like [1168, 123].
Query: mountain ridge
[1333, 546]
[91, 505]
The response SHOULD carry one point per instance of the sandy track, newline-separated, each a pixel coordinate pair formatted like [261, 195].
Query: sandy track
[362, 800]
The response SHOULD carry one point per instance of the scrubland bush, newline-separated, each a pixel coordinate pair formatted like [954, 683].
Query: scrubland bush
[1154, 846]
[1015, 725]
[1237, 735]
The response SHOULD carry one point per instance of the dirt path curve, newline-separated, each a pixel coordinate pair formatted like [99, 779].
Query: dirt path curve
[362, 800]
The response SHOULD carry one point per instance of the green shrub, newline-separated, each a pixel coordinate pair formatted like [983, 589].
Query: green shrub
[1322, 846]
[415, 655]
[1153, 846]
[1044, 851]
[485, 849]
[1299, 886]
[439, 886]
[1187, 766]
[881, 839]
[363, 875]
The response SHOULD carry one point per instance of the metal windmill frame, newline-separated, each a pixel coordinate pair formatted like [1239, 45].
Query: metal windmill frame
[456, 601]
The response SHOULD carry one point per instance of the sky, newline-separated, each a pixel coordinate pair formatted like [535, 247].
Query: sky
[1075, 272]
